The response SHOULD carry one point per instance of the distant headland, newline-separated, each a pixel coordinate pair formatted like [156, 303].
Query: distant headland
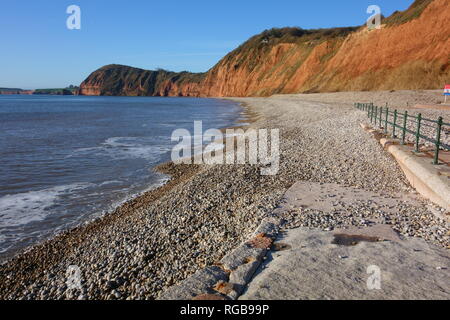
[68, 91]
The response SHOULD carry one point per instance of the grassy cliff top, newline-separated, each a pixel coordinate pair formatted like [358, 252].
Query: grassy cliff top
[413, 12]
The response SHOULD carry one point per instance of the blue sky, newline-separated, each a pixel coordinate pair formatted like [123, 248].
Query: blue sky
[38, 51]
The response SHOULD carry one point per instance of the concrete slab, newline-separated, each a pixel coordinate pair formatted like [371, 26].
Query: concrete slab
[315, 268]
[228, 280]
[327, 197]
[431, 181]
[198, 284]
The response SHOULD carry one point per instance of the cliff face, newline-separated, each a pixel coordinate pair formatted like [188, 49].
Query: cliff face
[411, 51]
[121, 80]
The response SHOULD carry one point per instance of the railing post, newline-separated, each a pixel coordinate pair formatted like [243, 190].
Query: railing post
[386, 121]
[373, 111]
[405, 119]
[376, 115]
[438, 140]
[395, 123]
[419, 120]
[381, 114]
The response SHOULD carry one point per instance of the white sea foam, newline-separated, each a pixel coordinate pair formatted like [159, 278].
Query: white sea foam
[160, 181]
[121, 142]
[120, 148]
[109, 182]
[22, 208]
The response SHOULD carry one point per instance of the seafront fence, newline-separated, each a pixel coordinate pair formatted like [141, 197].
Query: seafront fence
[397, 125]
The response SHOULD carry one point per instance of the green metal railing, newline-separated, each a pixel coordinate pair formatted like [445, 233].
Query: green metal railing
[385, 118]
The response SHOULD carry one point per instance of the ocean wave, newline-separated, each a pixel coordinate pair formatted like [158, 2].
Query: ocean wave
[121, 148]
[23, 208]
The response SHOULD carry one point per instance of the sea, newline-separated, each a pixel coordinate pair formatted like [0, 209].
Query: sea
[65, 160]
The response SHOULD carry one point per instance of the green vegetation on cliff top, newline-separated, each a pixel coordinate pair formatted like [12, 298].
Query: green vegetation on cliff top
[413, 12]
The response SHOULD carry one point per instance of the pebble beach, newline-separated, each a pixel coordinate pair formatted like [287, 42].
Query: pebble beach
[165, 235]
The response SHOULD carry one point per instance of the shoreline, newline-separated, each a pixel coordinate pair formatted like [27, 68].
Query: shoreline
[202, 212]
[176, 175]
[145, 196]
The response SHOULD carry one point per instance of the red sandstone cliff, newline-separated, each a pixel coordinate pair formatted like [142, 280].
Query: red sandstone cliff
[411, 51]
